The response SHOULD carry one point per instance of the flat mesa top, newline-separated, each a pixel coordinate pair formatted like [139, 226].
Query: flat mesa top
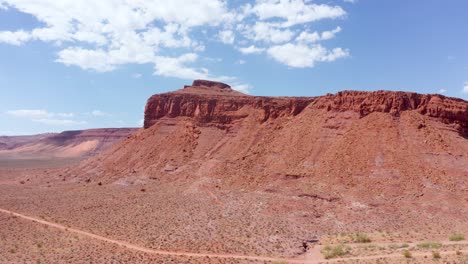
[206, 87]
[207, 83]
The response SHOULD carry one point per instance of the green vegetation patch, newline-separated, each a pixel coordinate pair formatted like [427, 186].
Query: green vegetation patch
[430, 245]
[335, 251]
[360, 238]
[457, 237]
[407, 254]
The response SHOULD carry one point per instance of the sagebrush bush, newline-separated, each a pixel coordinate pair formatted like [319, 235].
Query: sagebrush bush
[407, 254]
[361, 238]
[430, 245]
[457, 237]
[335, 251]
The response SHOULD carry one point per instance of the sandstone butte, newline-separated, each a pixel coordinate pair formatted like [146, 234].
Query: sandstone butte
[351, 138]
[341, 162]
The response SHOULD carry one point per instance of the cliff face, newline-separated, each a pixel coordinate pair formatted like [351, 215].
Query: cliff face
[449, 110]
[214, 102]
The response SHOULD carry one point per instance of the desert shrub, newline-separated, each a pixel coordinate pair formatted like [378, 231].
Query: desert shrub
[458, 252]
[361, 238]
[457, 237]
[397, 246]
[368, 246]
[436, 254]
[430, 245]
[335, 251]
[407, 254]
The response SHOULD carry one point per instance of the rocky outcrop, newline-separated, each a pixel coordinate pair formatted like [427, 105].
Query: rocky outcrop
[449, 110]
[214, 102]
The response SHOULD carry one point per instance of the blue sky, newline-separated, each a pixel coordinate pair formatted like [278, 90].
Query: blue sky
[81, 64]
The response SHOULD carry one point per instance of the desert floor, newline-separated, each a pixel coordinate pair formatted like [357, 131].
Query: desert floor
[47, 219]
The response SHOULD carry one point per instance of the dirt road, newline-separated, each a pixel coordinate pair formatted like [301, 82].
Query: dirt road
[310, 259]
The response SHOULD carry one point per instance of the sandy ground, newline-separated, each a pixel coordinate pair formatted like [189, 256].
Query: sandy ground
[47, 236]
[183, 218]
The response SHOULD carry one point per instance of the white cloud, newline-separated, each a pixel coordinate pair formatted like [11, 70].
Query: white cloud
[28, 113]
[244, 88]
[137, 75]
[68, 115]
[104, 35]
[14, 38]
[293, 12]
[442, 91]
[241, 62]
[120, 32]
[227, 36]
[86, 59]
[307, 37]
[59, 122]
[268, 33]
[99, 113]
[251, 50]
[301, 56]
[350, 1]
[45, 117]
[177, 67]
[465, 88]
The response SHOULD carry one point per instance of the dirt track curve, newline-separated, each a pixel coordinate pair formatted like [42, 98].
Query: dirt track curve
[211, 255]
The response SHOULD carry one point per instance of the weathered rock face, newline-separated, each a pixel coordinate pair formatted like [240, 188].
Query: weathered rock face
[214, 102]
[206, 83]
[449, 110]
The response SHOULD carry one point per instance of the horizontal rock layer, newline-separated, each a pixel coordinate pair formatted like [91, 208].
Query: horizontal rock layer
[214, 102]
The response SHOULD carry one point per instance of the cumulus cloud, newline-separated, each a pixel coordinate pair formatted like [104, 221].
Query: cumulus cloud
[465, 88]
[104, 35]
[251, 50]
[267, 32]
[14, 38]
[293, 12]
[301, 56]
[227, 36]
[307, 37]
